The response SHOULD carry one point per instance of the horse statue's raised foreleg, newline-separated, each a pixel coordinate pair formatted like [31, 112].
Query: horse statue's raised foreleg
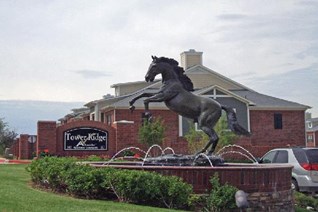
[131, 103]
[159, 97]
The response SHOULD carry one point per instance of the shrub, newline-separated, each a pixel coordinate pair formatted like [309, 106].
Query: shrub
[140, 187]
[221, 197]
[87, 181]
[150, 188]
[174, 193]
[134, 186]
[93, 158]
[304, 200]
[51, 172]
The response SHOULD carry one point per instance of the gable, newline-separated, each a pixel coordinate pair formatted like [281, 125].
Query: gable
[203, 77]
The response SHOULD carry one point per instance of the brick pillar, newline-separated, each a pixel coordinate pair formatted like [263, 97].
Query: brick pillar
[24, 147]
[125, 135]
[15, 148]
[46, 139]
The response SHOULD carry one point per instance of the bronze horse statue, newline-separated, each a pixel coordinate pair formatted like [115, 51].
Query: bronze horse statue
[175, 92]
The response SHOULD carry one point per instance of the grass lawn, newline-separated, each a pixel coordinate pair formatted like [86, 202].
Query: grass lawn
[17, 195]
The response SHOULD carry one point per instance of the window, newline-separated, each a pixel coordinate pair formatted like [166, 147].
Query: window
[282, 157]
[92, 117]
[102, 117]
[269, 157]
[109, 119]
[278, 121]
[310, 138]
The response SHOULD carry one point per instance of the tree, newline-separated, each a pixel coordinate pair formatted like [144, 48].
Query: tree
[197, 138]
[151, 132]
[7, 136]
[226, 136]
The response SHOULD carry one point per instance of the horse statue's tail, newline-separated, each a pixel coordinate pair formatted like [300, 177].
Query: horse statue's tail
[232, 122]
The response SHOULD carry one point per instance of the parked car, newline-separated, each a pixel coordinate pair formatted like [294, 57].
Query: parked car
[305, 162]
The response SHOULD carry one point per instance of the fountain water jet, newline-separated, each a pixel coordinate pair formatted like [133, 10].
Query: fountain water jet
[120, 151]
[248, 155]
[202, 154]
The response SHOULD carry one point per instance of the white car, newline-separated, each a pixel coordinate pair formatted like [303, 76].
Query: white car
[305, 162]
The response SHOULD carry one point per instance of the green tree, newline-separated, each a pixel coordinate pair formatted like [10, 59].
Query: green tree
[197, 138]
[7, 136]
[151, 132]
[226, 136]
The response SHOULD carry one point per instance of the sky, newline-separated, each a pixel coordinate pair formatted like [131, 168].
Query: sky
[75, 50]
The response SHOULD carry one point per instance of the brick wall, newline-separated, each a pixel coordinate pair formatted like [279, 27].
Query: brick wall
[15, 148]
[46, 138]
[265, 137]
[23, 149]
[128, 134]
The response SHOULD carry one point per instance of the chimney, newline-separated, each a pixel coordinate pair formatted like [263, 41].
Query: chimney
[190, 58]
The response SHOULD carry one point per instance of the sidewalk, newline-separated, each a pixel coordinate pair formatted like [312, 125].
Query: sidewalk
[6, 161]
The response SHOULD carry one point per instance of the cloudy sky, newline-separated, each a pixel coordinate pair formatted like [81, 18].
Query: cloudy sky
[74, 50]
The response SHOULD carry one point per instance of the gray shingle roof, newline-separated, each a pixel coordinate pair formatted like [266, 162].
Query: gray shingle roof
[260, 101]
[124, 103]
[264, 101]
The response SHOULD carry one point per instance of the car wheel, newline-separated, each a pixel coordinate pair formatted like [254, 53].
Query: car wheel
[294, 185]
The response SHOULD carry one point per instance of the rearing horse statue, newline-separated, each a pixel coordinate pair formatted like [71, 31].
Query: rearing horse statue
[176, 94]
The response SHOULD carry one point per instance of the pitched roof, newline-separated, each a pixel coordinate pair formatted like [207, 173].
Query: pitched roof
[124, 103]
[263, 101]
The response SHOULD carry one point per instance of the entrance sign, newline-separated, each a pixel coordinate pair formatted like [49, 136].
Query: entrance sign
[85, 138]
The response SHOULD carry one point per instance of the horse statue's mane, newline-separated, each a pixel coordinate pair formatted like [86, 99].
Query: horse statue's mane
[184, 79]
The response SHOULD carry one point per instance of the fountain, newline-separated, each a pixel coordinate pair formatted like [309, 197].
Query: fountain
[261, 182]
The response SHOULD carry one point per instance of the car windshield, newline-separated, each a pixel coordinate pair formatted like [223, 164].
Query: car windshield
[312, 155]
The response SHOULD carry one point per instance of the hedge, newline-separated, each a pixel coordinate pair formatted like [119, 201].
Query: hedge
[140, 187]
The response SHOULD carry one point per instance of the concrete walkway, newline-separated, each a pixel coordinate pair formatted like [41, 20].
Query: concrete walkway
[6, 161]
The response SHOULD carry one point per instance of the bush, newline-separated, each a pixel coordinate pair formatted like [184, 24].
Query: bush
[140, 187]
[304, 200]
[150, 188]
[87, 181]
[134, 186]
[51, 172]
[174, 193]
[222, 197]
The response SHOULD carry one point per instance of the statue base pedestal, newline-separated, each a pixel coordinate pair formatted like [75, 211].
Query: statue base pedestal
[184, 160]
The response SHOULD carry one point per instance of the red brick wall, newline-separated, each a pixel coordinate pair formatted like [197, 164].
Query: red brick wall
[15, 148]
[24, 148]
[265, 137]
[129, 136]
[60, 142]
[46, 138]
